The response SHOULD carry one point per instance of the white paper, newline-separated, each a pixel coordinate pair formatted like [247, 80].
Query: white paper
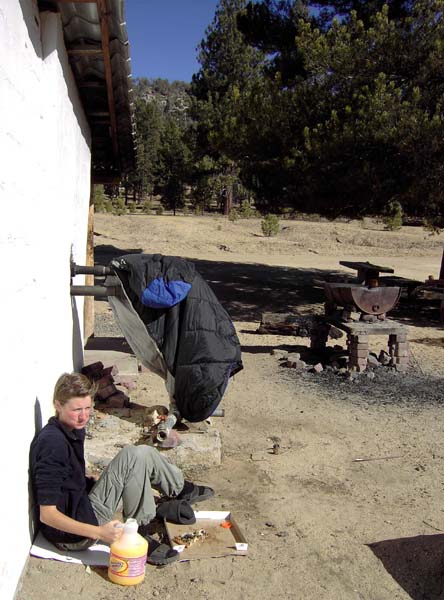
[95, 556]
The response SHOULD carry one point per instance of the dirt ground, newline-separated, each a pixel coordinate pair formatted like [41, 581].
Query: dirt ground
[319, 524]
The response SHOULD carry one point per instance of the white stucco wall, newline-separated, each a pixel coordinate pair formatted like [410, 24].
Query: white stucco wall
[44, 196]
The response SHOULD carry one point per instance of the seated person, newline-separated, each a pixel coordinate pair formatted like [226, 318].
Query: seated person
[74, 510]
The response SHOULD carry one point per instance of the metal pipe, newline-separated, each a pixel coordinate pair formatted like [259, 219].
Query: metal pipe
[164, 428]
[98, 291]
[90, 270]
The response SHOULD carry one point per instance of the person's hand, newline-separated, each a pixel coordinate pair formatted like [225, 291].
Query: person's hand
[110, 532]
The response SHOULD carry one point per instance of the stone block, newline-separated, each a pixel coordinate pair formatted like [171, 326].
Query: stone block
[197, 451]
[113, 370]
[401, 360]
[93, 370]
[105, 392]
[279, 353]
[318, 368]
[354, 346]
[294, 356]
[402, 352]
[119, 400]
[359, 339]
[400, 337]
[358, 352]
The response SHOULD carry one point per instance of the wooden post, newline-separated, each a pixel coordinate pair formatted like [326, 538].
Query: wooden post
[88, 302]
[441, 272]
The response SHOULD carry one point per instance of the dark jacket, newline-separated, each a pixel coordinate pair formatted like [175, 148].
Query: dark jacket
[195, 337]
[57, 468]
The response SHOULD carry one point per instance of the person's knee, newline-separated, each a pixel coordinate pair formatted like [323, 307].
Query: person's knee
[139, 452]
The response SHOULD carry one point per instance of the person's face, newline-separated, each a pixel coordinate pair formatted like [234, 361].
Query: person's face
[75, 413]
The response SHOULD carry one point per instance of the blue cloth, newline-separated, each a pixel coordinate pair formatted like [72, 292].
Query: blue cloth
[161, 294]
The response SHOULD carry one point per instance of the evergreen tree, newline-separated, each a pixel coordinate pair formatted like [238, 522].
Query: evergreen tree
[229, 67]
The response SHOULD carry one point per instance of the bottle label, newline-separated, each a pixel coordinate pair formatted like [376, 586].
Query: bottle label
[127, 567]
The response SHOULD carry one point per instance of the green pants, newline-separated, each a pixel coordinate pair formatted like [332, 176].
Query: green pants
[128, 479]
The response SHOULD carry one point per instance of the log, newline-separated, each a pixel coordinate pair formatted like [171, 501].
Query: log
[298, 325]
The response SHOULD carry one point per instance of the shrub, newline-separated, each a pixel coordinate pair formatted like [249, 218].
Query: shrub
[234, 215]
[393, 215]
[132, 206]
[246, 210]
[102, 203]
[146, 206]
[119, 207]
[159, 210]
[270, 225]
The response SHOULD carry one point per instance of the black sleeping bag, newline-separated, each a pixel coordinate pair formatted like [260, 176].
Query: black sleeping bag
[188, 325]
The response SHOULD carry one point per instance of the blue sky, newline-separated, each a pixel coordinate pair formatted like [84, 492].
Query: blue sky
[163, 36]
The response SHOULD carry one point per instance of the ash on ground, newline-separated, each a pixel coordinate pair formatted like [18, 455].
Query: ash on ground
[386, 386]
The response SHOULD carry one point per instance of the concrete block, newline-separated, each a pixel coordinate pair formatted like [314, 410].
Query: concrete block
[197, 451]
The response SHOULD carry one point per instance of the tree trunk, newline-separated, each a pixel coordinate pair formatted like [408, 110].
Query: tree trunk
[228, 200]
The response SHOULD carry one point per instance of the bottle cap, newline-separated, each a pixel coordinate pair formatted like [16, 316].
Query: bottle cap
[130, 526]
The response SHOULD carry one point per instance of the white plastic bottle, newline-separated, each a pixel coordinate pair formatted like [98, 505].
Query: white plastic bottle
[128, 556]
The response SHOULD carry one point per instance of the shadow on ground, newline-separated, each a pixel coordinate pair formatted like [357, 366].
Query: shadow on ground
[246, 290]
[416, 564]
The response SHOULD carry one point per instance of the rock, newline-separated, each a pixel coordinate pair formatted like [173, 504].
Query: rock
[372, 360]
[294, 356]
[370, 375]
[384, 358]
[318, 368]
[279, 353]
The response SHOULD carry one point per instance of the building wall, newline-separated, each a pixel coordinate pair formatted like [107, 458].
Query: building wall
[44, 195]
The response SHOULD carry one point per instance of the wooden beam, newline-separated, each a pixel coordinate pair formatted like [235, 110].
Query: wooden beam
[441, 271]
[103, 16]
[91, 84]
[84, 51]
[88, 302]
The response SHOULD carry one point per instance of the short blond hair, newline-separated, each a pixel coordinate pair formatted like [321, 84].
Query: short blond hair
[73, 385]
